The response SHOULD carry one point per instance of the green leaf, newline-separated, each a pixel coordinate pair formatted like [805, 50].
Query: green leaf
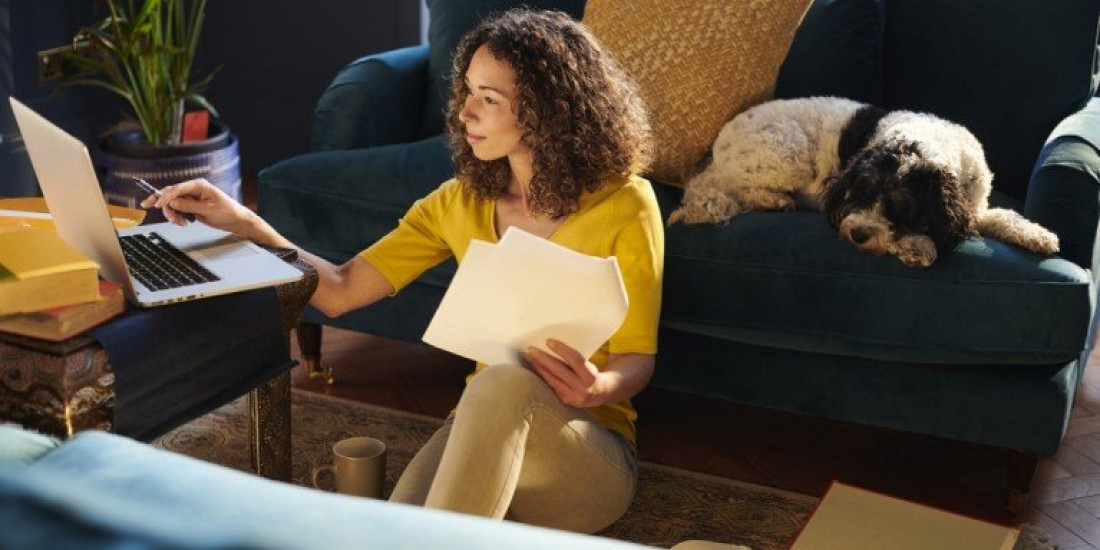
[144, 51]
[97, 84]
[202, 102]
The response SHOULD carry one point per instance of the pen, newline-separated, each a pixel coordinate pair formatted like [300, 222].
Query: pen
[148, 188]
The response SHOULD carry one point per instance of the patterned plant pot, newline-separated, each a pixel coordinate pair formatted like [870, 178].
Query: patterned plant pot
[124, 156]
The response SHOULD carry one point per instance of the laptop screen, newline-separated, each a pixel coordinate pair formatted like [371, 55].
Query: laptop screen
[71, 188]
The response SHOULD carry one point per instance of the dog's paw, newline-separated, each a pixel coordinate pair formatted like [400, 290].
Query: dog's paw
[1013, 228]
[773, 202]
[712, 207]
[1043, 242]
[763, 200]
[915, 251]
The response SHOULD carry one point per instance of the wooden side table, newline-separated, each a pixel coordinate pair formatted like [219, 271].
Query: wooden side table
[62, 390]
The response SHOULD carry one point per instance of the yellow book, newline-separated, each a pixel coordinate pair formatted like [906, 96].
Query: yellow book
[849, 518]
[38, 270]
[58, 323]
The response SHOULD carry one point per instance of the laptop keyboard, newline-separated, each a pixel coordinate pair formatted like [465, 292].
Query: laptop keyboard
[158, 265]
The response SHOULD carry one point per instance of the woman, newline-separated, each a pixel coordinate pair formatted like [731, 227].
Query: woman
[547, 135]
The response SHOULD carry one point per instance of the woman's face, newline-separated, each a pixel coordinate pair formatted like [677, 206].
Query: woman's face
[492, 128]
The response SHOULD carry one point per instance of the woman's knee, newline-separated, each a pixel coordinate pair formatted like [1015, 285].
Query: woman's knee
[602, 505]
[499, 386]
[413, 485]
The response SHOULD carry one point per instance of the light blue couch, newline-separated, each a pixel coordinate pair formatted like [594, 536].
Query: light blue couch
[99, 491]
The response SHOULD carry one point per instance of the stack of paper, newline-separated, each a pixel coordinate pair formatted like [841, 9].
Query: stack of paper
[515, 294]
[26, 212]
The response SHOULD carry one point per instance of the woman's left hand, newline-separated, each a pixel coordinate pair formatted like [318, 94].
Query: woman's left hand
[575, 381]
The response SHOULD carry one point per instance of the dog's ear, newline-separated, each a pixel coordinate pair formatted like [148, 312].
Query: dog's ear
[837, 194]
[859, 183]
[941, 203]
[832, 197]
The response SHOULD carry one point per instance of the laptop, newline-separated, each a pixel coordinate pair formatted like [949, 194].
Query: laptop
[157, 264]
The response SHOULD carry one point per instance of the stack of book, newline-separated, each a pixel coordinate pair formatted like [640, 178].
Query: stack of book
[49, 290]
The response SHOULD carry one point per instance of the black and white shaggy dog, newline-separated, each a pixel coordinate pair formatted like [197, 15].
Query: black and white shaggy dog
[898, 183]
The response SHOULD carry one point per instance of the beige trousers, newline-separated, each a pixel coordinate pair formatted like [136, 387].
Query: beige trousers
[513, 449]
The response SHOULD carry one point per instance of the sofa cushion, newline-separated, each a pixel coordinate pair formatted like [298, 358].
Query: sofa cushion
[21, 447]
[697, 64]
[1022, 407]
[101, 491]
[837, 51]
[448, 22]
[786, 280]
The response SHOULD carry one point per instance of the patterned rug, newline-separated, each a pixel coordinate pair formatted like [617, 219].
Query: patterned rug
[671, 505]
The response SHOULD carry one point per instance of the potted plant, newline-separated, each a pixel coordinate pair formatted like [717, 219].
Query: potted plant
[143, 51]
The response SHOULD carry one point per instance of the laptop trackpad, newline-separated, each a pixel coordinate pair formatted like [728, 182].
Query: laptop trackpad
[225, 252]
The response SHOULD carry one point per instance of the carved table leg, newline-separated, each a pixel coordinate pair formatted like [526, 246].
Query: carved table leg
[309, 342]
[1021, 469]
[269, 404]
[269, 428]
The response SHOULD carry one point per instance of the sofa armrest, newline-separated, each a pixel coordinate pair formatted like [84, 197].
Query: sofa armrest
[103, 491]
[375, 100]
[1064, 191]
[20, 447]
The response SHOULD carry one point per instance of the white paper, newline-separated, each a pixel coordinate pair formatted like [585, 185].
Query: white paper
[515, 294]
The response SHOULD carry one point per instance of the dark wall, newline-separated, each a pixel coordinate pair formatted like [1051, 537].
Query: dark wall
[26, 27]
[278, 56]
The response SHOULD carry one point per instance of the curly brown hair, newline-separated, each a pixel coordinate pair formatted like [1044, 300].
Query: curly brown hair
[579, 113]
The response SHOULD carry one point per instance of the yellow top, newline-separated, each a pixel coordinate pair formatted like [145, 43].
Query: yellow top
[620, 219]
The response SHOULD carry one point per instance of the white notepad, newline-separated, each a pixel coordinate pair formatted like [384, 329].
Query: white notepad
[515, 294]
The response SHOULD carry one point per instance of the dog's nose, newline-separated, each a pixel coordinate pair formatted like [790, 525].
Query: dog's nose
[859, 235]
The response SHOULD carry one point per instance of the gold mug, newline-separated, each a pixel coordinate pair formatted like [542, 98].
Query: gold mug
[359, 466]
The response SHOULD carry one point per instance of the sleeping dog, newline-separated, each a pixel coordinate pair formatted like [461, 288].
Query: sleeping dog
[898, 183]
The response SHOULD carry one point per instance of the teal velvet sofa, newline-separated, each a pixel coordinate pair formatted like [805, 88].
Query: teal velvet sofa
[99, 491]
[986, 346]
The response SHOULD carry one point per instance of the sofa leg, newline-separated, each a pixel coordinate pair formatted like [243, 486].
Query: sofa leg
[309, 342]
[1021, 470]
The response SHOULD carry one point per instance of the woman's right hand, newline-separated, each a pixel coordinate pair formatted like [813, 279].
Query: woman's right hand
[209, 204]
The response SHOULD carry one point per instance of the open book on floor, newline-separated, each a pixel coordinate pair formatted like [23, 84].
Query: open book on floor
[849, 518]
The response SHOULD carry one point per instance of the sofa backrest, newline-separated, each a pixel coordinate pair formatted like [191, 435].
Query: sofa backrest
[1009, 70]
[837, 52]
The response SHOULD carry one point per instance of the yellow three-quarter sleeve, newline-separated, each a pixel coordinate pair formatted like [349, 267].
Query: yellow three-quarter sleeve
[639, 250]
[417, 243]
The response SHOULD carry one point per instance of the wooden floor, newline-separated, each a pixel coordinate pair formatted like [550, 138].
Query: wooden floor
[772, 448]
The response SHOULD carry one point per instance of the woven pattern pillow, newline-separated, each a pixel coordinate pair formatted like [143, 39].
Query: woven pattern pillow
[697, 62]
